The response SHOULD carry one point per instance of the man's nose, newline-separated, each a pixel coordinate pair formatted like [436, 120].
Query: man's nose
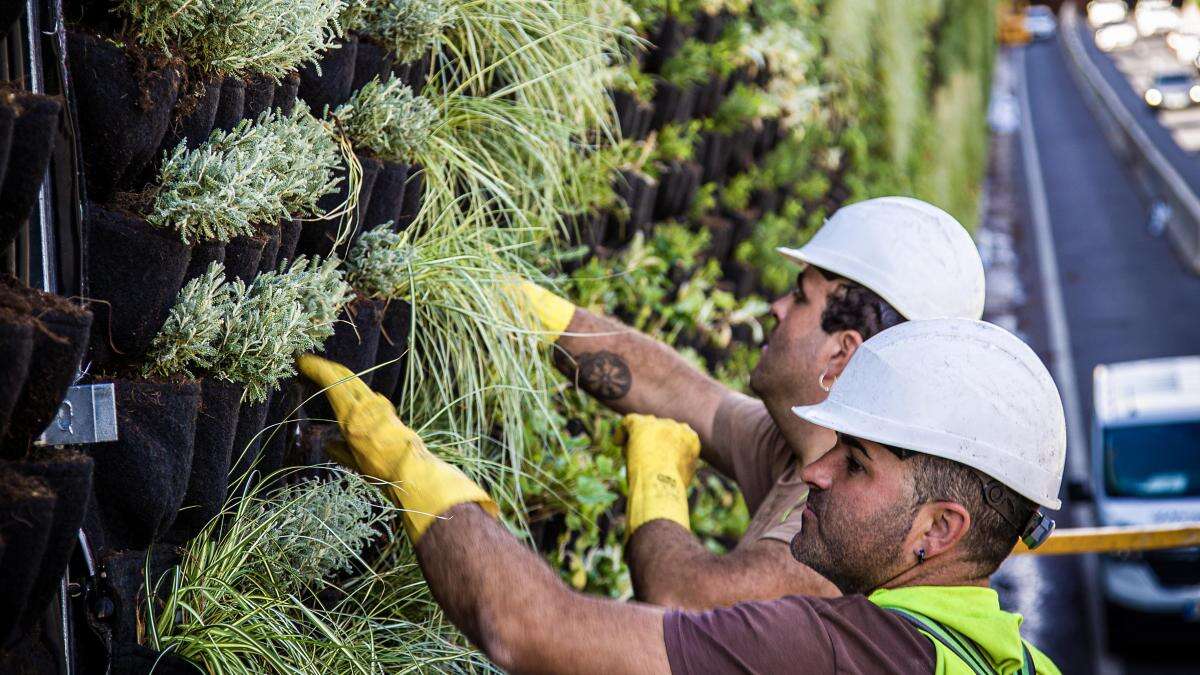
[779, 308]
[820, 473]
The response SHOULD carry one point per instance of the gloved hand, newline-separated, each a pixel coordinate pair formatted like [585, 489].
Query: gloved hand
[381, 446]
[553, 312]
[660, 458]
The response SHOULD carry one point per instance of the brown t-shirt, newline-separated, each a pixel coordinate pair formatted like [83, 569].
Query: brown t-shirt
[748, 447]
[796, 634]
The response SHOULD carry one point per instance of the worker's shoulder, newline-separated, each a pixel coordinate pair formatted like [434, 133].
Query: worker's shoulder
[844, 634]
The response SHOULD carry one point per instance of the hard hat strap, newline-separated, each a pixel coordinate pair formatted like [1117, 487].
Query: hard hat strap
[999, 497]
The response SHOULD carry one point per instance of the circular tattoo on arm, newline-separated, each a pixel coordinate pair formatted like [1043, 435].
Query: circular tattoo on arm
[604, 375]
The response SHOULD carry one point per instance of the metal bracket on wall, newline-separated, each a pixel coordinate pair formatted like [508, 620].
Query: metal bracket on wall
[88, 415]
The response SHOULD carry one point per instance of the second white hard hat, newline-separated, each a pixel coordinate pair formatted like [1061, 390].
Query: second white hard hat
[911, 253]
[965, 390]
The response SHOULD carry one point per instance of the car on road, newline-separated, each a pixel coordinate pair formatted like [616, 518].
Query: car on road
[1116, 36]
[1154, 17]
[1104, 12]
[1040, 22]
[1173, 91]
[1145, 470]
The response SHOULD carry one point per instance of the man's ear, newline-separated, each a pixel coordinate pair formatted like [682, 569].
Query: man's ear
[845, 343]
[940, 526]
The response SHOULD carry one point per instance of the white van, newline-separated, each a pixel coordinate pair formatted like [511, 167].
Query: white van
[1146, 470]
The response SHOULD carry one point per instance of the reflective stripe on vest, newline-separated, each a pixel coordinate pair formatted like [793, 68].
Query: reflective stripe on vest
[958, 644]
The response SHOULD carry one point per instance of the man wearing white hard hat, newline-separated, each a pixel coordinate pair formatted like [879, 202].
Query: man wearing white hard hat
[873, 265]
[950, 435]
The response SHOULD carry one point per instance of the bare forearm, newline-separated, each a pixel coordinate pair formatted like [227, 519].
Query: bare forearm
[670, 567]
[513, 606]
[632, 372]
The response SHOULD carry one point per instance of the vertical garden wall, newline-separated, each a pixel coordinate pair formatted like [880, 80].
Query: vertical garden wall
[365, 179]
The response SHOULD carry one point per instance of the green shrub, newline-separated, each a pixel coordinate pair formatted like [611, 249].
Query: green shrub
[184, 344]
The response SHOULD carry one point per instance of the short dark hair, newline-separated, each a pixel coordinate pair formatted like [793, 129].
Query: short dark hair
[856, 307]
[993, 533]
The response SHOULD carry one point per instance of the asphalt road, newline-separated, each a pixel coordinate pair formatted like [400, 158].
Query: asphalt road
[1124, 295]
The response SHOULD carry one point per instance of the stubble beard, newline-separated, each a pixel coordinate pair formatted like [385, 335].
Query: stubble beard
[856, 556]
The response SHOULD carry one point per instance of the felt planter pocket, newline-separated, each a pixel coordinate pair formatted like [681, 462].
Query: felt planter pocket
[672, 105]
[142, 477]
[194, 127]
[16, 344]
[34, 129]
[318, 237]
[370, 61]
[7, 118]
[231, 104]
[741, 152]
[26, 512]
[710, 26]
[279, 427]
[639, 192]
[414, 191]
[708, 97]
[203, 254]
[387, 195]
[59, 336]
[721, 242]
[713, 155]
[677, 187]
[135, 659]
[270, 252]
[633, 115]
[285, 93]
[212, 448]
[767, 138]
[329, 85]
[248, 439]
[68, 474]
[259, 96]
[289, 236]
[124, 103]
[242, 256]
[354, 342]
[393, 346]
[134, 272]
[414, 73]
[126, 575]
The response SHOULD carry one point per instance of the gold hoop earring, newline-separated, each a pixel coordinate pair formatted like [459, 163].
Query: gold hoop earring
[821, 381]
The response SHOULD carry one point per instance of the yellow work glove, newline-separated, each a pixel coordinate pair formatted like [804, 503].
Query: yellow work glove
[553, 312]
[381, 446]
[660, 459]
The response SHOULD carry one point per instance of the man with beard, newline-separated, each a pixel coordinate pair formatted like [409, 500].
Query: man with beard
[949, 436]
[873, 265]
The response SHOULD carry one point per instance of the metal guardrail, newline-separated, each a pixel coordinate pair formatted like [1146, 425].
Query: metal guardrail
[1176, 203]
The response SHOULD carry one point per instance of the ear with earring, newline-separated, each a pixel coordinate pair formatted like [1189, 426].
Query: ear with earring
[821, 381]
[920, 556]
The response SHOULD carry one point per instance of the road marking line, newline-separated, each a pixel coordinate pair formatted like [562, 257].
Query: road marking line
[1064, 362]
[1056, 318]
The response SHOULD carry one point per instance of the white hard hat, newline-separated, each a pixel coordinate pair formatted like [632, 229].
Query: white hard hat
[912, 254]
[965, 390]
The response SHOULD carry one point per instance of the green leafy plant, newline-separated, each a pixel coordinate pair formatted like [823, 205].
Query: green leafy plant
[406, 27]
[185, 343]
[380, 263]
[388, 120]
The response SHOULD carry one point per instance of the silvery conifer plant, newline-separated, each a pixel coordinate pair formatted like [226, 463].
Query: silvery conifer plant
[239, 37]
[185, 343]
[276, 168]
[388, 119]
[380, 263]
[407, 27]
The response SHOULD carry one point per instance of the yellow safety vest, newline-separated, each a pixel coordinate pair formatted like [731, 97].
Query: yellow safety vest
[948, 614]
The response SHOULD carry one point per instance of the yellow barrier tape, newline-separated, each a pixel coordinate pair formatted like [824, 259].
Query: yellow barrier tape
[1111, 539]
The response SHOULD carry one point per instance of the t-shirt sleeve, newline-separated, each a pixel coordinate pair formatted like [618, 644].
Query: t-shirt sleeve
[795, 634]
[748, 447]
